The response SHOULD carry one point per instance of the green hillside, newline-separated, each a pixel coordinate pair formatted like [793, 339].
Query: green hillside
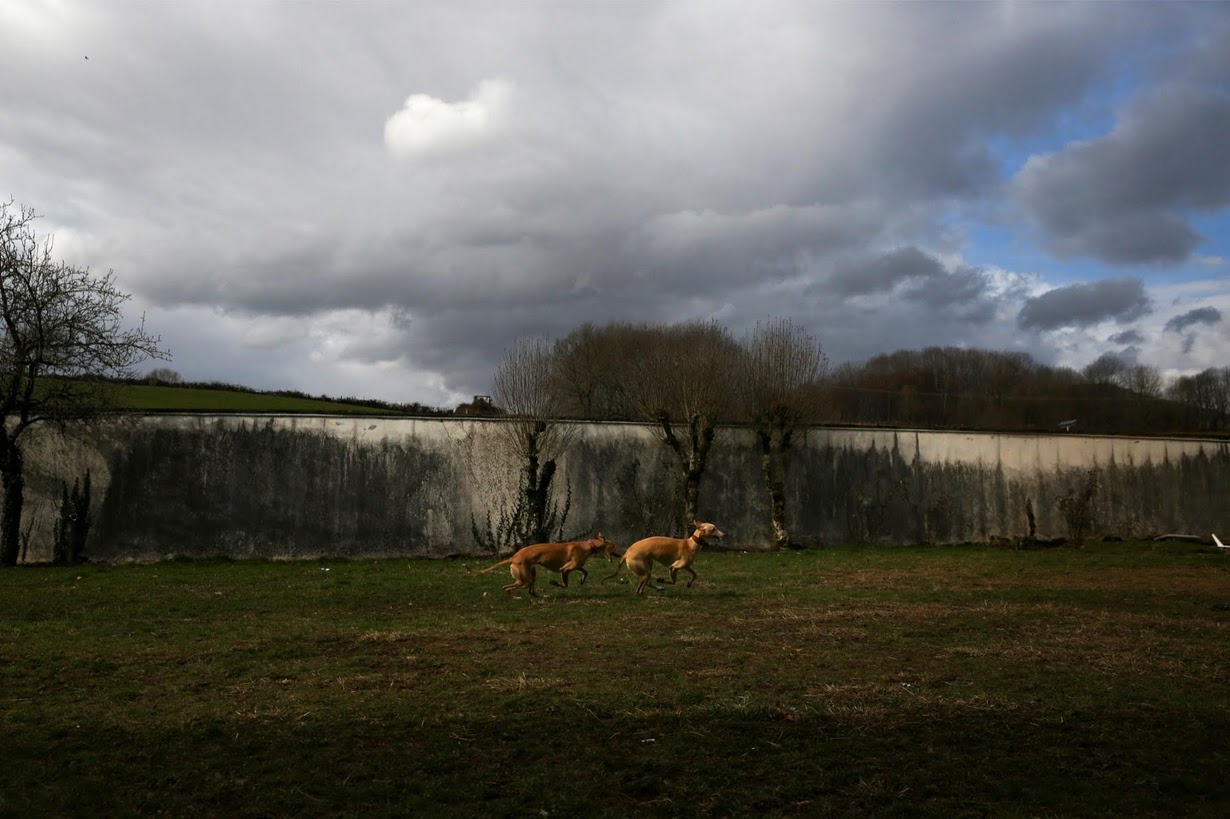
[152, 398]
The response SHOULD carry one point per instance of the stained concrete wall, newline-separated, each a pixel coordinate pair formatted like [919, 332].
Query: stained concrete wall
[300, 486]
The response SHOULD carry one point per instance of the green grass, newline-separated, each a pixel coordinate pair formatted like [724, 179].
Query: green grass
[192, 399]
[937, 681]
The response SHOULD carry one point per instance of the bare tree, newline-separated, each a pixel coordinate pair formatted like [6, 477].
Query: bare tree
[678, 379]
[163, 375]
[1207, 396]
[594, 367]
[62, 333]
[527, 389]
[1109, 368]
[1143, 381]
[780, 390]
[683, 384]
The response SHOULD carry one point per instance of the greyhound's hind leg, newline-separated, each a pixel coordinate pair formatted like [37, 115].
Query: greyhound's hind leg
[523, 578]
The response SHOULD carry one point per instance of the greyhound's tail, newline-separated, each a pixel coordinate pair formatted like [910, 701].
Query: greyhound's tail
[496, 566]
[622, 560]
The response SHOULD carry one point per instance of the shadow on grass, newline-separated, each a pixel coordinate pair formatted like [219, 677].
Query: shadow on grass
[714, 759]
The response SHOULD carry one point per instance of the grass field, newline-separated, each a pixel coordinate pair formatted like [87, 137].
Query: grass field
[940, 681]
[191, 399]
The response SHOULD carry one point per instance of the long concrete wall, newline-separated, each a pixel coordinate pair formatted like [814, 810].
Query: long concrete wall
[300, 486]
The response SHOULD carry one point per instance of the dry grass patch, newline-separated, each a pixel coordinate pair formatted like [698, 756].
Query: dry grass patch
[523, 682]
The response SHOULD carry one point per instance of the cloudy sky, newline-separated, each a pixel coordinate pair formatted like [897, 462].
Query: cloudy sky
[376, 198]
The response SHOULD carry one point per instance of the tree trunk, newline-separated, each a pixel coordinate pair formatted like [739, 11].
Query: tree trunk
[13, 482]
[691, 459]
[691, 496]
[777, 500]
[537, 489]
[540, 501]
[773, 465]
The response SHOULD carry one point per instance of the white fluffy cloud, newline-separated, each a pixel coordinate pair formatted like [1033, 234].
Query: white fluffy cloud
[426, 127]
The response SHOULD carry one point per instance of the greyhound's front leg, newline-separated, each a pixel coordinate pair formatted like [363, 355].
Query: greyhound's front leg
[674, 569]
[567, 570]
[689, 570]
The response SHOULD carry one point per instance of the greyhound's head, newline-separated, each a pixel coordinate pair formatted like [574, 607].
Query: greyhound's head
[599, 543]
[706, 530]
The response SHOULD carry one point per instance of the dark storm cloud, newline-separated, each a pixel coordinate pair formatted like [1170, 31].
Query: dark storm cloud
[965, 286]
[922, 279]
[1127, 337]
[1201, 315]
[936, 111]
[885, 272]
[1082, 305]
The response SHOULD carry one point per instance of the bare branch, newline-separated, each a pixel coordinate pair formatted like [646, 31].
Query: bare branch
[783, 369]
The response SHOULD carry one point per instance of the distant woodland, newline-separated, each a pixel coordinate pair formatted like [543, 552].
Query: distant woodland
[603, 374]
[946, 387]
[598, 373]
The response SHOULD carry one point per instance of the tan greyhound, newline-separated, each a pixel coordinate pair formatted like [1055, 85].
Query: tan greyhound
[678, 553]
[558, 557]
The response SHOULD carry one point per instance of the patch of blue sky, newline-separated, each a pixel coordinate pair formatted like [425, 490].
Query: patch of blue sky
[1008, 248]
[1093, 117]
[993, 237]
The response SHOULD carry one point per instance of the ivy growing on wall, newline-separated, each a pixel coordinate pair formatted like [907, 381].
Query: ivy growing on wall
[73, 522]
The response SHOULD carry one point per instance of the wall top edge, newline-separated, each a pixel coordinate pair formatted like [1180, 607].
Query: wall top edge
[642, 424]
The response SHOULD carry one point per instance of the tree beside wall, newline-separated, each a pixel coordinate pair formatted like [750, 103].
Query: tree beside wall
[780, 389]
[678, 380]
[527, 390]
[62, 333]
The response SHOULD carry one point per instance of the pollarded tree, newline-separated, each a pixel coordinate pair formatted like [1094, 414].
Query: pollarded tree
[594, 367]
[780, 390]
[526, 388]
[677, 379]
[683, 387]
[62, 333]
